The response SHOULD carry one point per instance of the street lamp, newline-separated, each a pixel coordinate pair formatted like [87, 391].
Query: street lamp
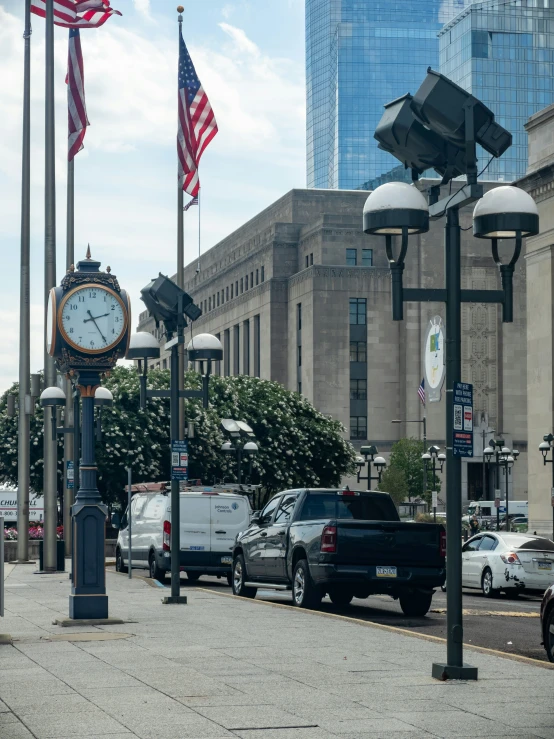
[168, 303]
[546, 446]
[369, 457]
[250, 448]
[461, 122]
[507, 461]
[495, 448]
[433, 455]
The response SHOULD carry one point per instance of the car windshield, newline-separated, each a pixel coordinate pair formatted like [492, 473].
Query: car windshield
[535, 543]
[362, 507]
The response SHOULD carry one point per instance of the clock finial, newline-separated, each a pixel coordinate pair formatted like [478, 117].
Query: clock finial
[108, 269]
[88, 252]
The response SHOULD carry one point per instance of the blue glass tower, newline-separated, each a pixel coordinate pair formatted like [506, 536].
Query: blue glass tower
[361, 54]
[503, 53]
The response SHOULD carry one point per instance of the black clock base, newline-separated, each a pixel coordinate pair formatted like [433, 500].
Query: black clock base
[88, 606]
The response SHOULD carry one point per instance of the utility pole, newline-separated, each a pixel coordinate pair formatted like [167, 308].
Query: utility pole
[25, 401]
[50, 483]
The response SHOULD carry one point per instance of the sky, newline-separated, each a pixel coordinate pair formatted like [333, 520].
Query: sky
[249, 56]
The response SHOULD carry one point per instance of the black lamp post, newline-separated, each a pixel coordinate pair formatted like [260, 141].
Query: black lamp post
[433, 455]
[168, 303]
[458, 122]
[546, 446]
[507, 460]
[369, 457]
[250, 448]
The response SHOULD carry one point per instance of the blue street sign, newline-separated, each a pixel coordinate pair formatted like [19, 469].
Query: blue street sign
[462, 442]
[70, 476]
[179, 460]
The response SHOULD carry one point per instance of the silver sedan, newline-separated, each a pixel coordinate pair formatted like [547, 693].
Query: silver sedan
[506, 561]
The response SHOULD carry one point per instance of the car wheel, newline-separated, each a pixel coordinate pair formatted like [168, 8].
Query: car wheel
[415, 604]
[341, 597]
[239, 578]
[304, 593]
[155, 572]
[486, 585]
[549, 635]
[119, 566]
[193, 576]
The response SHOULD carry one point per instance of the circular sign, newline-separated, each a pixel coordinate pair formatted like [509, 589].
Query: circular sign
[433, 353]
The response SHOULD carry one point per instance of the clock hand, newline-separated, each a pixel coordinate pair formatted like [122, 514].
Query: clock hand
[92, 319]
[97, 326]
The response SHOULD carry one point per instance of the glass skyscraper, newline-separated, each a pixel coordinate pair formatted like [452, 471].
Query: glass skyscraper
[503, 53]
[361, 54]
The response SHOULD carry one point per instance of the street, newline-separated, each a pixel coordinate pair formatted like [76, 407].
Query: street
[503, 624]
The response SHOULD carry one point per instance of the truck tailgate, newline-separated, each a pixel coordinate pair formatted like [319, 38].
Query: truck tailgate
[388, 543]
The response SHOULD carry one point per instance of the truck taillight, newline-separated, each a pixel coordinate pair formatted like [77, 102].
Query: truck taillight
[167, 536]
[443, 544]
[329, 539]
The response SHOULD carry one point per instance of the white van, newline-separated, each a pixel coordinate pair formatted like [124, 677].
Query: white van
[487, 508]
[210, 522]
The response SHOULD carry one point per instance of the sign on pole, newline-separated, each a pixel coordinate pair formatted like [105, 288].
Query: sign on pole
[462, 443]
[433, 359]
[179, 460]
[434, 499]
[70, 475]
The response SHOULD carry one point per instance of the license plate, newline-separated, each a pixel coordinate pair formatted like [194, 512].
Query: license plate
[545, 565]
[226, 560]
[386, 571]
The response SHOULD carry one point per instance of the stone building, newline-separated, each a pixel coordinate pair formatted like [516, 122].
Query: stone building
[302, 296]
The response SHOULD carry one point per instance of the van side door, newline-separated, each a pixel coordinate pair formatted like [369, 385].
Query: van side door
[229, 516]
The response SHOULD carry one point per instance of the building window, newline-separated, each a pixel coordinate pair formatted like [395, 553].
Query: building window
[236, 350]
[218, 298]
[299, 355]
[213, 302]
[218, 364]
[237, 288]
[299, 317]
[358, 427]
[357, 311]
[307, 261]
[246, 282]
[358, 389]
[222, 297]
[352, 257]
[209, 303]
[367, 257]
[257, 276]
[226, 353]
[164, 364]
[246, 347]
[256, 346]
[232, 286]
[263, 274]
[311, 259]
[358, 351]
[227, 293]
[241, 285]
[251, 280]
[299, 388]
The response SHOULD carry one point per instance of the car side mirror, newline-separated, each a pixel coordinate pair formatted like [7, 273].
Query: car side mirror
[116, 520]
[255, 518]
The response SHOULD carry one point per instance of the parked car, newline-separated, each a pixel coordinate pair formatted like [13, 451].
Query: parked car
[210, 522]
[547, 622]
[343, 543]
[509, 562]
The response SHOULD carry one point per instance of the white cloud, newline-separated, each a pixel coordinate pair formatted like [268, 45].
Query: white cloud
[227, 11]
[143, 7]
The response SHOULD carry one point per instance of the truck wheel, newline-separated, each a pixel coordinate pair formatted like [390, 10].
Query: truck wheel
[486, 585]
[155, 572]
[239, 578]
[416, 604]
[193, 576]
[549, 635]
[341, 597]
[119, 566]
[304, 593]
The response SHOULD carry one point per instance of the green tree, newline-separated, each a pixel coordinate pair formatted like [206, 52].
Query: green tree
[406, 456]
[298, 444]
[393, 482]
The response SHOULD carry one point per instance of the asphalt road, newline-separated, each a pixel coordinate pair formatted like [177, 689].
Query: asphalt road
[504, 624]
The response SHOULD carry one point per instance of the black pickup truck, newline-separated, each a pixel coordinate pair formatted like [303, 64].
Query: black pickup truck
[343, 543]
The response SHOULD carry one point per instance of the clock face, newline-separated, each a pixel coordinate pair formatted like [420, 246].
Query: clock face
[93, 319]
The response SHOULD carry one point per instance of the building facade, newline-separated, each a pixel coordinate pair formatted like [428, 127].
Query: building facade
[503, 53]
[300, 295]
[361, 54]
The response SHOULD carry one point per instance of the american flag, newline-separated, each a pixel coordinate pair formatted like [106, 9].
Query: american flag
[76, 108]
[421, 391]
[194, 201]
[77, 13]
[197, 125]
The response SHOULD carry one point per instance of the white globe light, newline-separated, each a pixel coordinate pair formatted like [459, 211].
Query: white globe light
[143, 345]
[204, 346]
[52, 396]
[102, 396]
[251, 447]
[393, 206]
[380, 462]
[503, 211]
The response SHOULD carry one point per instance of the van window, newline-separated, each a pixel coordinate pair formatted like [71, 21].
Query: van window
[138, 505]
[154, 508]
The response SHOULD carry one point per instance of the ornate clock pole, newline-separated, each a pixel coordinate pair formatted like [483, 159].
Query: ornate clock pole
[88, 331]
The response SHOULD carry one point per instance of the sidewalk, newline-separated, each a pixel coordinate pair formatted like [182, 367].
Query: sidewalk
[228, 667]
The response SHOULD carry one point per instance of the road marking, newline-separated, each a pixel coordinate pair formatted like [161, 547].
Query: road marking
[476, 612]
[385, 627]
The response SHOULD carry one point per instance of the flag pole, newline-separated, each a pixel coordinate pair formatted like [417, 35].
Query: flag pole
[180, 269]
[199, 221]
[50, 487]
[23, 431]
[69, 439]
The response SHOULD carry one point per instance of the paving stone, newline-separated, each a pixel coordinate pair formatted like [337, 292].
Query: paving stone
[80, 724]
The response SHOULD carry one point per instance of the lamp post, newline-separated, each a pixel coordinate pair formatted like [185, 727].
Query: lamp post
[507, 460]
[545, 447]
[433, 455]
[168, 303]
[424, 422]
[440, 127]
[250, 449]
[369, 457]
[495, 449]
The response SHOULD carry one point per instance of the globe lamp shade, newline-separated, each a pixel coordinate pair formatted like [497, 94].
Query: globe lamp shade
[394, 206]
[503, 211]
[203, 347]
